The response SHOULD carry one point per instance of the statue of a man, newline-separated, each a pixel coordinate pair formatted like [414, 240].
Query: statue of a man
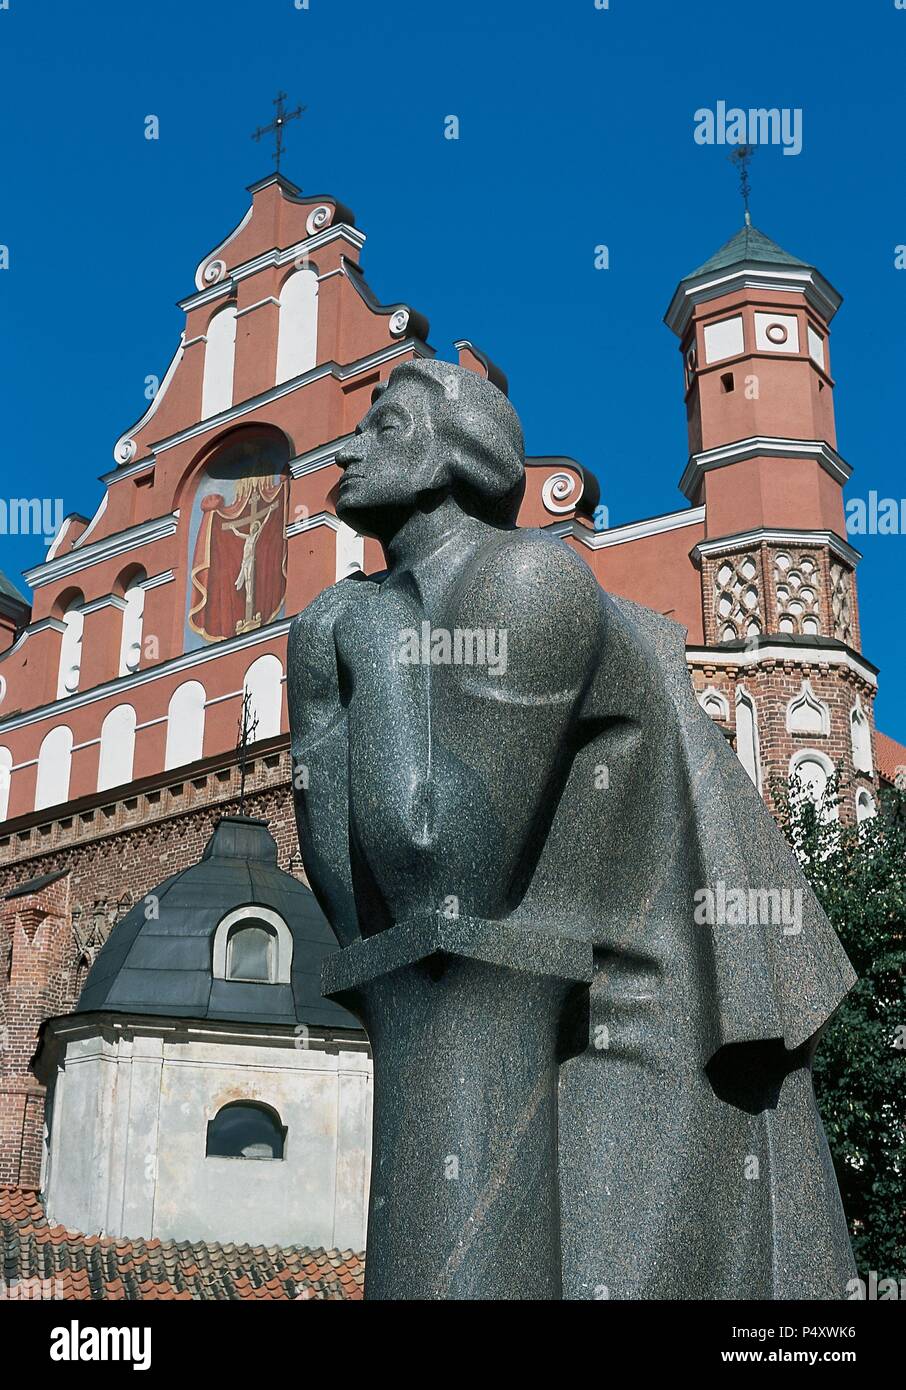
[571, 789]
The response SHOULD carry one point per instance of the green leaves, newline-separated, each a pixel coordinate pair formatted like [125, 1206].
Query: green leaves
[858, 874]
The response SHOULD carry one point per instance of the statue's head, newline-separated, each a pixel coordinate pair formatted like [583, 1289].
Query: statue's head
[433, 430]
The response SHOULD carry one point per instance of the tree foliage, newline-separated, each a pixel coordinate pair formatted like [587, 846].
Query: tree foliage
[858, 874]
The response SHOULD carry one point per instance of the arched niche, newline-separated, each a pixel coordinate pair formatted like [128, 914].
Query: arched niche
[297, 336]
[133, 593]
[264, 686]
[860, 732]
[813, 770]
[6, 778]
[185, 725]
[117, 756]
[70, 671]
[806, 714]
[54, 768]
[236, 505]
[219, 360]
[747, 742]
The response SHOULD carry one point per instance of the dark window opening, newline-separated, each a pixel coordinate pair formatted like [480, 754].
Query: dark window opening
[251, 953]
[727, 383]
[245, 1130]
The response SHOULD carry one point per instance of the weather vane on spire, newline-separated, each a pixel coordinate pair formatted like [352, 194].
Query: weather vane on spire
[742, 158]
[276, 126]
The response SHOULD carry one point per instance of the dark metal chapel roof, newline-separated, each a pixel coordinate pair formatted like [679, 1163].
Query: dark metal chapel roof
[163, 964]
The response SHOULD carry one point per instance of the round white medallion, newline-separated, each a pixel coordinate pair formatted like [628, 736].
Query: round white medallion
[399, 322]
[214, 271]
[125, 450]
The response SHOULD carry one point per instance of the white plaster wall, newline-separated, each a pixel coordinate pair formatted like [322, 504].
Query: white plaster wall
[129, 1125]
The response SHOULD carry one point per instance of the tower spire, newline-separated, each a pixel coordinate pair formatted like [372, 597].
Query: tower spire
[742, 158]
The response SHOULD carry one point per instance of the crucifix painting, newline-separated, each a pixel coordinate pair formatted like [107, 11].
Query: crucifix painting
[238, 542]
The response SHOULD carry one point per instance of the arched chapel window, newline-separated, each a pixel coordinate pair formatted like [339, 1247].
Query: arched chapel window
[245, 1129]
[251, 953]
[253, 945]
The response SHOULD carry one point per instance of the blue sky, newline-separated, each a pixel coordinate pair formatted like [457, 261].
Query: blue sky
[576, 129]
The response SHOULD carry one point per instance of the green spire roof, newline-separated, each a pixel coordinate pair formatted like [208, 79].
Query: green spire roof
[749, 244]
[10, 590]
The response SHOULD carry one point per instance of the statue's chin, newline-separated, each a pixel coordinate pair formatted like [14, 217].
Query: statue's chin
[361, 519]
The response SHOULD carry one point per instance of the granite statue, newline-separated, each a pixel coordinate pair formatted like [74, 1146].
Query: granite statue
[592, 973]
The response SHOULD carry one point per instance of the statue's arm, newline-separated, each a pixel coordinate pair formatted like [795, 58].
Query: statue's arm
[514, 733]
[319, 740]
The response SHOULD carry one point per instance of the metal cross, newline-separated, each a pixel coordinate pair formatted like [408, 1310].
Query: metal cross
[248, 727]
[276, 126]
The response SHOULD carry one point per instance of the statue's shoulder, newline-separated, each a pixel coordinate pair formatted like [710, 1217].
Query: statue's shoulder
[527, 566]
[318, 618]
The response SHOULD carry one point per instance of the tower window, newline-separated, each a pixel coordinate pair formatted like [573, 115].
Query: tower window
[243, 1129]
[727, 383]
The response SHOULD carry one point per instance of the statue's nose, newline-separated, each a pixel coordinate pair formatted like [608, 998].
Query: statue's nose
[351, 452]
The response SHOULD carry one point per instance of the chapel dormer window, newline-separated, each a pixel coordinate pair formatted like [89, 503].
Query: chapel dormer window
[253, 945]
[251, 954]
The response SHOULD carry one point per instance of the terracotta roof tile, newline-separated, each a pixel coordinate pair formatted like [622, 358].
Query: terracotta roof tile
[891, 757]
[80, 1267]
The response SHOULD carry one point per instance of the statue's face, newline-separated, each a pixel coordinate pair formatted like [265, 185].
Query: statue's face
[391, 462]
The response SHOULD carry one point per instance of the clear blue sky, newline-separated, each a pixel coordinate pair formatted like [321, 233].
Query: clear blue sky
[576, 129]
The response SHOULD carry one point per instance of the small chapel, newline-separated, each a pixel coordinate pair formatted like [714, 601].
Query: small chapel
[172, 1085]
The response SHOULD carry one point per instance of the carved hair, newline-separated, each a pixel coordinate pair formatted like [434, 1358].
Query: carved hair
[480, 435]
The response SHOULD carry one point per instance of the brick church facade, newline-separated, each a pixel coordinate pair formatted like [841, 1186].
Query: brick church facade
[121, 685]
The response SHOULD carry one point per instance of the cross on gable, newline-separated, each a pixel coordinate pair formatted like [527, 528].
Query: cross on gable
[277, 125]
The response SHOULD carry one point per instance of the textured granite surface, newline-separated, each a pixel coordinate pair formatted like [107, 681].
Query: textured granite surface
[573, 793]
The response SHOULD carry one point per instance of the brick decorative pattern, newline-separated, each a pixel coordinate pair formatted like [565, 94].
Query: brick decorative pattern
[772, 685]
